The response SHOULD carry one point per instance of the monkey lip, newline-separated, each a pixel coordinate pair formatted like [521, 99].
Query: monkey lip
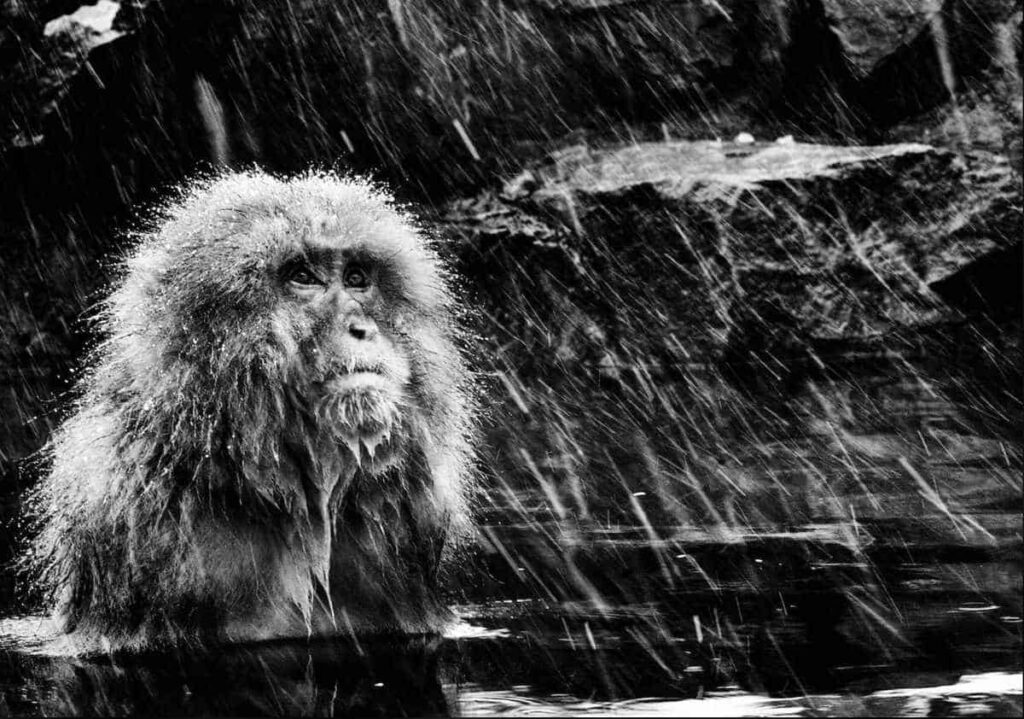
[358, 379]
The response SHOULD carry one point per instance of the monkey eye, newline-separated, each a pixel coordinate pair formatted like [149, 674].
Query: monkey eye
[301, 275]
[356, 276]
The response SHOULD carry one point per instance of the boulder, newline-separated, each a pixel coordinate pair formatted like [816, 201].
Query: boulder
[871, 31]
[725, 245]
[48, 56]
[749, 334]
[912, 58]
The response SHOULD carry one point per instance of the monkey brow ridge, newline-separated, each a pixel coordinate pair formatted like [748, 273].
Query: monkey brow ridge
[327, 255]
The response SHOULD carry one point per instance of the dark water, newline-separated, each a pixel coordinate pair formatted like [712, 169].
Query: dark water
[474, 672]
[935, 639]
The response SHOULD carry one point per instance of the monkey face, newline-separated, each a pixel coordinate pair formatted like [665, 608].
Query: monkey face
[312, 298]
[337, 302]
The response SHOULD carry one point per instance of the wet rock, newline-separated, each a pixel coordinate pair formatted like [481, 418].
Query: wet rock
[871, 31]
[385, 70]
[443, 96]
[736, 334]
[724, 245]
[910, 58]
[48, 56]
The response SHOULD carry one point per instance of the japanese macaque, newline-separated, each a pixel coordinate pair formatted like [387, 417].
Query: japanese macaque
[274, 439]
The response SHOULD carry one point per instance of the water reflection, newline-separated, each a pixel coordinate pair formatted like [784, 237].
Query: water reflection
[390, 677]
[540, 662]
[773, 627]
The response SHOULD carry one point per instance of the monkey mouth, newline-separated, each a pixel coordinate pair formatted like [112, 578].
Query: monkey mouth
[358, 380]
[360, 403]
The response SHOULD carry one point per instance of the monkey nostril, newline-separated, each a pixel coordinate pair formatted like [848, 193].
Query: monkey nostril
[362, 330]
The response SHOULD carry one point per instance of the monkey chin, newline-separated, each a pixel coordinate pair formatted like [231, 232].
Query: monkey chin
[363, 411]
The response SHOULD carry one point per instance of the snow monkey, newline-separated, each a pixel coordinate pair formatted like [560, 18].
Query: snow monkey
[275, 436]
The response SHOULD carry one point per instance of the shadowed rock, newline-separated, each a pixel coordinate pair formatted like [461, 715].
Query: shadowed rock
[821, 242]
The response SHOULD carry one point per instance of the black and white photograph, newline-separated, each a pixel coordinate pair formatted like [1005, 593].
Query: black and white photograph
[511, 358]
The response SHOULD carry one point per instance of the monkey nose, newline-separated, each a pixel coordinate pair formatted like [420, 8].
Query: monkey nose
[362, 329]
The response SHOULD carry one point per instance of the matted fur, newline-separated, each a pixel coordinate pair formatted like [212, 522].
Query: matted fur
[216, 479]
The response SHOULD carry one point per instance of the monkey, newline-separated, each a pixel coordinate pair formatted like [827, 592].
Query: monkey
[274, 436]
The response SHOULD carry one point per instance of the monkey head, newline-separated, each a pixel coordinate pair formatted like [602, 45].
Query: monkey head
[306, 303]
[279, 412]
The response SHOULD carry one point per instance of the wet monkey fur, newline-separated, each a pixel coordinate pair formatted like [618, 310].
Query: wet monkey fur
[275, 436]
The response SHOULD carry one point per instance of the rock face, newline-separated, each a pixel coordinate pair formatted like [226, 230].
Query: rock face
[443, 94]
[733, 242]
[872, 32]
[748, 333]
[40, 78]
